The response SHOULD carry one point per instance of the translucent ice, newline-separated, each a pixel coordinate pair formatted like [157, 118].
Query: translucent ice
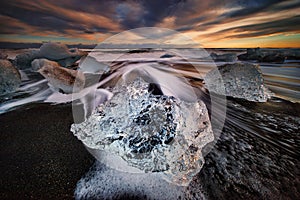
[10, 77]
[241, 80]
[152, 133]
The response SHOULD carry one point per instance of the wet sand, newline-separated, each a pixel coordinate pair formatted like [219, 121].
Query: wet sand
[40, 158]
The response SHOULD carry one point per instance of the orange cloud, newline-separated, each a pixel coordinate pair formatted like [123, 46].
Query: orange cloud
[87, 19]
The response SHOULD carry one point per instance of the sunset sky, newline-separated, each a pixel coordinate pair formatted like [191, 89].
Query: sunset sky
[211, 23]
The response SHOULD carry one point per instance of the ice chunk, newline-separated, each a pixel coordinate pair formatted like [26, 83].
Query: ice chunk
[23, 61]
[153, 133]
[60, 53]
[52, 51]
[241, 80]
[10, 78]
[227, 57]
[265, 55]
[91, 65]
[39, 63]
[60, 78]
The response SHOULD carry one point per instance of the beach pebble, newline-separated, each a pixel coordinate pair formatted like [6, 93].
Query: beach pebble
[61, 79]
[10, 78]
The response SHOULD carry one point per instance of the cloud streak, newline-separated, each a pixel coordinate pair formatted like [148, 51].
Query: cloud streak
[205, 21]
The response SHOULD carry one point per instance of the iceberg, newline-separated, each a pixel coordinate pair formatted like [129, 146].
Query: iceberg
[241, 80]
[152, 133]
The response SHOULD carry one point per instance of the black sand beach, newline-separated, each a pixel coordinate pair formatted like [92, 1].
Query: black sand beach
[40, 158]
[178, 99]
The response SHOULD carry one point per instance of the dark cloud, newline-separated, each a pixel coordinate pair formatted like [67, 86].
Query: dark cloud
[239, 10]
[12, 28]
[47, 19]
[103, 16]
[144, 13]
[278, 26]
[156, 11]
[43, 21]
[89, 31]
[102, 7]
[286, 5]
[250, 7]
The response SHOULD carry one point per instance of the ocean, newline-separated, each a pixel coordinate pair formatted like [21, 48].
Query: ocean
[255, 153]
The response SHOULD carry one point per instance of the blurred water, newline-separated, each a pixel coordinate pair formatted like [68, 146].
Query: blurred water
[256, 156]
[283, 79]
